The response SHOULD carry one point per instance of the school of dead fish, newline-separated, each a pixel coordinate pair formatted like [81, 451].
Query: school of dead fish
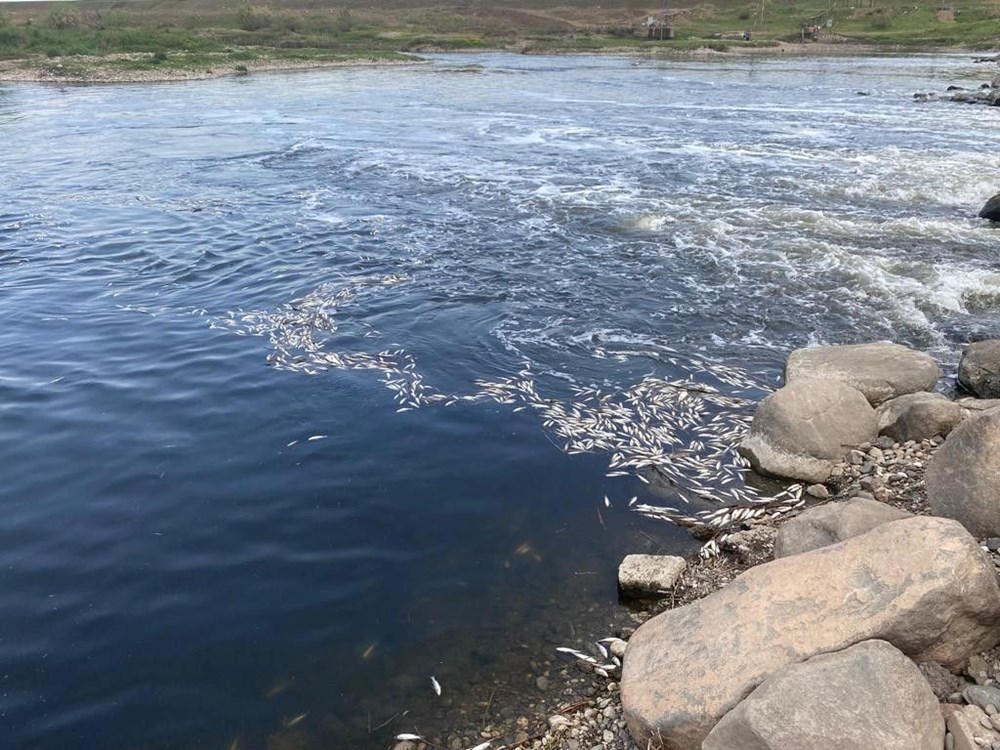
[680, 433]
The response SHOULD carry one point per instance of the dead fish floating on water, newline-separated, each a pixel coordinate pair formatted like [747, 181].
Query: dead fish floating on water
[684, 430]
[436, 686]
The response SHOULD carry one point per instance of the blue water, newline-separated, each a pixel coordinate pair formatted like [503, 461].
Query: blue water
[181, 566]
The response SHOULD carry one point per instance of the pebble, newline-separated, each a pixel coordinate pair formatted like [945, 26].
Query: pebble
[542, 683]
[818, 491]
[993, 544]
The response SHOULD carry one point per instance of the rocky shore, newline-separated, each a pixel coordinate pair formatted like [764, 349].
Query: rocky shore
[870, 618]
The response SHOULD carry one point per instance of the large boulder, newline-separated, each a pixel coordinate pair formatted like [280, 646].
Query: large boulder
[832, 523]
[991, 210]
[800, 431]
[880, 371]
[979, 370]
[918, 416]
[867, 696]
[922, 584]
[963, 476]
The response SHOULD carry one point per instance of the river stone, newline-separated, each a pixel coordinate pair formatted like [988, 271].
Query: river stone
[922, 584]
[963, 475]
[831, 523]
[918, 416]
[978, 404]
[982, 695]
[646, 575]
[979, 370]
[970, 727]
[800, 431]
[880, 371]
[866, 696]
[991, 210]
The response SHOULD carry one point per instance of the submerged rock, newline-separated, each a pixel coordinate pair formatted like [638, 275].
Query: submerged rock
[867, 696]
[800, 431]
[881, 370]
[922, 584]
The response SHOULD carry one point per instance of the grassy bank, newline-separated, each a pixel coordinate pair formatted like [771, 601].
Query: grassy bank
[202, 34]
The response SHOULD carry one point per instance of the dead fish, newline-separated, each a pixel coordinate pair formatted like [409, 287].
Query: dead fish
[280, 687]
[369, 650]
[317, 437]
[482, 745]
[436, 685]
[607, 503]
[405, 737]
[292, 722]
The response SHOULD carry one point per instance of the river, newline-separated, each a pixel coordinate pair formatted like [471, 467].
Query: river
[251, 468]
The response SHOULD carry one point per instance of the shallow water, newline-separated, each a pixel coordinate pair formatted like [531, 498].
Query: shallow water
[180, 565]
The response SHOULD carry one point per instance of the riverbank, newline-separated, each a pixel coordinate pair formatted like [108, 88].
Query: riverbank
[875, 474]
[590, 716]
[144, 68]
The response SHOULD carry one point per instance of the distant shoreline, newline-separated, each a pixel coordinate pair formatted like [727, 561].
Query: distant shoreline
[107, 69]
[116, 68]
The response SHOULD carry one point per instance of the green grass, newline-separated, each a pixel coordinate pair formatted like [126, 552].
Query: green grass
[194, 32]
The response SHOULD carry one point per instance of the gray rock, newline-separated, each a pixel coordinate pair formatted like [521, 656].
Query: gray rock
[991, 210]
[965, 723]
[800, 431]
[918, 416]
[867, 696]
[649, 575]
[922, 584]
[832, 523]
[818, 491]
[978, 404]
[963, 475]
[979, 370]
[942, 682]
[982, 695]
[880, 371]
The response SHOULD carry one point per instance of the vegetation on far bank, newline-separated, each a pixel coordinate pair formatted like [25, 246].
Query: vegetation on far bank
[200, 33]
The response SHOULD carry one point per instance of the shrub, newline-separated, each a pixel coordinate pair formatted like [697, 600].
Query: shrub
[881, 23]
[344, 21]
[62, 17]
[250, 18]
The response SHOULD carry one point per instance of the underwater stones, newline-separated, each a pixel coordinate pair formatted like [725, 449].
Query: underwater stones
[828, 524]
[880, 370]
[963, 477]
[922, 584]
[800, 431]
[866, 696]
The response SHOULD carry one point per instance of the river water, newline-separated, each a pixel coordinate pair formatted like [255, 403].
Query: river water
[240, 481]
